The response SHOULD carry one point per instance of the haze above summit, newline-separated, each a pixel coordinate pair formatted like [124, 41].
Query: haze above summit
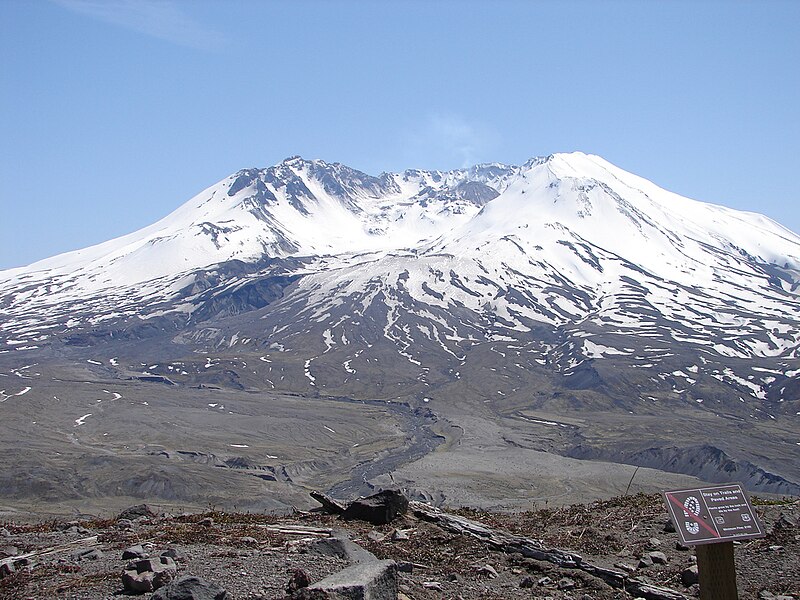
[120, 111]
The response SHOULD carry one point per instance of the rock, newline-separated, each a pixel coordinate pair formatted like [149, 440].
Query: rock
[376, 536]
[8, 551]
[174, 554]
[669, 526]
[207, 522]
[378, 509]
[87, 554]
[309, 594]
[455, 578]
[136, 512]
[625, 567]
[682, 547]
[248, 541]
[405, 567]
[433, 585]
[134, 552]
[298, 580]
[653, 543]
[527, 582]
[4, 532]
[487, 570]
[148, 574]
[374, 580]
[658, 558]
[191, 588]
[6, 568]
[689, 576]
[76, 530]
[565, 584]
[399, 535]
[343, 547]
[645, 561]
[544, 581]
[124, 524]
[785, 521]
[776, 548]
[766, 595]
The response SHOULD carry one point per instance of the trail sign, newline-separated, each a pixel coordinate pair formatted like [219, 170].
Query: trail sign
[712, 515]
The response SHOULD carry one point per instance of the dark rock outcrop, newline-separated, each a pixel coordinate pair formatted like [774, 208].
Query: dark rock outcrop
[378, 509]
[134, 512]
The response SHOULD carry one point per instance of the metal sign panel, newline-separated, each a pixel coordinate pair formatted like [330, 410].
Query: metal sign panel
[713, 514]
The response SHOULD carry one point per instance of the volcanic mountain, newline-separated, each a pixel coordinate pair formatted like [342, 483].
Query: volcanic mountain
[582, 310]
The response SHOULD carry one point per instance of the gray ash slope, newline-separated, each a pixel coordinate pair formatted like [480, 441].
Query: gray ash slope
[588, 312]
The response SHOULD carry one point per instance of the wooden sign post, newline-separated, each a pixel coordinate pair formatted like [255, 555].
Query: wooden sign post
[716, 571]
[711, 519]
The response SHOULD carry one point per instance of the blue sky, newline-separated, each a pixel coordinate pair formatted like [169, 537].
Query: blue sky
[115, 112]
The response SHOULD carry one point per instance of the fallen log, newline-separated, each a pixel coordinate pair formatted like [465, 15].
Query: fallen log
[332, 505]
[56, 549]
[299, 530]
[515, 544]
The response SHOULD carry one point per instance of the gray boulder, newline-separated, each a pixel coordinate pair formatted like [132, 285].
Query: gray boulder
[87, 554]
[190, 587]
[148, 574]
[689, 576]
[175, 554]
[136, 512]
[6, 568]
[376, 580]
[342, 547]
[134, 552]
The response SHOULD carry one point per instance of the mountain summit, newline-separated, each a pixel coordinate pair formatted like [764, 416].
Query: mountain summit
[558, 240]
[564, 286]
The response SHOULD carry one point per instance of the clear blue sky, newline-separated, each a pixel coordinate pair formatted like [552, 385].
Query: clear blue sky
[115, 112]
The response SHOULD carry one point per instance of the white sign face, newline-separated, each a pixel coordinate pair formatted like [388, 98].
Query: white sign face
[713, 514]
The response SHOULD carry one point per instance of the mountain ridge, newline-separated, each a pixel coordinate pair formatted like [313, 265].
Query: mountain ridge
[578, 309]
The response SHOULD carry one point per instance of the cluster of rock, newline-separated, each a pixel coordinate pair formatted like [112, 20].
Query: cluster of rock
[341, 568]
[144, 574]
[14, 561]
[367, 578]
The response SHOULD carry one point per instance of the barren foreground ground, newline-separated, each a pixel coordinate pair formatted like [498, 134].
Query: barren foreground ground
[252, 555]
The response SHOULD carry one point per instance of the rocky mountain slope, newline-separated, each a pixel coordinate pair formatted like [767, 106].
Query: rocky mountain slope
[254, 557]
[561, 307]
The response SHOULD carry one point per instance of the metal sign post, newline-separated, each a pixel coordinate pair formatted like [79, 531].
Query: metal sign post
[711, 519]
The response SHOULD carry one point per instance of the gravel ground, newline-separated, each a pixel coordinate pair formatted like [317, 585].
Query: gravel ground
[252, 556]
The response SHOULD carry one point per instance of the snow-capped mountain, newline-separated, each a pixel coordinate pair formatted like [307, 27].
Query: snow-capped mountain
[559, 240]
[566, 275]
